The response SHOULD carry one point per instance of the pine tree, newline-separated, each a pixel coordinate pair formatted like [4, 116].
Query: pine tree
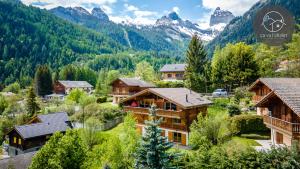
[196, 59]
[43, 81]
[152, 153]
[31, 104]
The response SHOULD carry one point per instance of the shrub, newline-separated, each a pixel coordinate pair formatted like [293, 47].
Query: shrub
[245, 124]
[14, 88]
[101, 99]
[233, 110]
[169, 84]
[240, 93]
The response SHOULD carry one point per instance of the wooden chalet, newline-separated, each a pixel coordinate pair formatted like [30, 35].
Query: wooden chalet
[278, 101]
[65, 87]
[32, 136]
[125, 87]
[178, 107]
[172, 72]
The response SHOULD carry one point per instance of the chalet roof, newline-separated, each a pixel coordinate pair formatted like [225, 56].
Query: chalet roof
[289, 95]
[50, 123]
[277, 83]
[181, 96]
[17, 162]
[136, 82]
[173, 68]
[75, 84]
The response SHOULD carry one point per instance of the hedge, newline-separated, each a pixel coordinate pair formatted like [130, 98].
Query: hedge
[245, 124]
[169, 84]
[101, 99]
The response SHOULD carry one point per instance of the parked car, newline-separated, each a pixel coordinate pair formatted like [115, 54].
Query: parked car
[220, 93]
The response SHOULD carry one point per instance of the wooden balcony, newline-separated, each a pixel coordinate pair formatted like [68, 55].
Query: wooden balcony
[257, 98]
[173, 126]
[285, 125]
[159, 112]
[123, 93]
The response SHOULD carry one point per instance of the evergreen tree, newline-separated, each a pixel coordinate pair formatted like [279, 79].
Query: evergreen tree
[31, 104]
[152, 153]
[43, 80]
[196, 59]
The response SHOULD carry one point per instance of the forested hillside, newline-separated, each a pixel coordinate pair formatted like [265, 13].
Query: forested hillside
[240, 28]
[30, 36]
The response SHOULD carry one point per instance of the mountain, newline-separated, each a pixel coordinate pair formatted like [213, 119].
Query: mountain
[220, 16]
[240, 28]
[30, 36]
[127, 35]
[179, 29]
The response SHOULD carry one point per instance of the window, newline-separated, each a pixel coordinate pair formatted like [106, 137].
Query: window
[169, 75]
[15, 140]
[177, 137]
[20, 141]
[177, 121]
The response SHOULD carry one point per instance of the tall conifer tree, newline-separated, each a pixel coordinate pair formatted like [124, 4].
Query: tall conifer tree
[152, 153]
[43, 81]
[196, 59]
[31, 104]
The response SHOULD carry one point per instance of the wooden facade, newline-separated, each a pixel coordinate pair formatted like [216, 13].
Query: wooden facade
[65, 87]
[32, 136]
[176, 119]
[170, 76]
[122, 90]
[276, 100]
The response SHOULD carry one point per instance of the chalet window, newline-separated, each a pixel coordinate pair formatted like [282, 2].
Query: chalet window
[20, 141]
[179, 75]
[15, 140]
[170, 106]
[177, 137]
[177, 121]
[169, 75]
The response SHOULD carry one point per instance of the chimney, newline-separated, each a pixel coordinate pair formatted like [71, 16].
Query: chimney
[186, 98]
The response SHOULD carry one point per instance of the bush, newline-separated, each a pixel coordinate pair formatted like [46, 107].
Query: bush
[14, 88]
[245, 124]
[101, 99]
[169, 84]
[240, 93]
[234, 110]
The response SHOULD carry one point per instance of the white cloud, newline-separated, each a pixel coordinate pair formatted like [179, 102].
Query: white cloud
[237, 7]
[130, 7]
[136, 16]
[176, 9]
[71, 3]
[107, 9]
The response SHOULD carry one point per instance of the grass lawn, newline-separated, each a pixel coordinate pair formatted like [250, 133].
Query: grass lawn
[114, 131]
[245, 141]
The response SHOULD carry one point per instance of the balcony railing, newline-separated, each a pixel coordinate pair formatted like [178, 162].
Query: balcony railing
[173, 126]
[257, 98]
[159, 112]
[123, 93]
[285, 125]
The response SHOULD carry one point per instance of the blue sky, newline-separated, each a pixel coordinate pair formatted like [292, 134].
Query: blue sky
[147, 11]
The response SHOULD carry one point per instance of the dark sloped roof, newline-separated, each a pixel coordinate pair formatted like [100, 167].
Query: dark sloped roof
[136, 82]
[173, 68]
[290, 96]
[50, 123]
[181, 96]
[21, 161]
[277, 83]
[74, 84]
[287, 89]
[54, 117]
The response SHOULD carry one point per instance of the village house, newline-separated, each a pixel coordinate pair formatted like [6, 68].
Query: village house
[172, 72]
[65, 87]
[178, 108]
[125, 87]
[32, 136]
[278, 101]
